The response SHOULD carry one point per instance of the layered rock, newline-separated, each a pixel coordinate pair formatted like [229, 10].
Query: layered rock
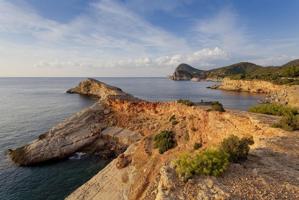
[78, 131]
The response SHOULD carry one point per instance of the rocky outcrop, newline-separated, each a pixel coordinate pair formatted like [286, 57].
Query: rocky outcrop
[62, 140]
[186, 72]
[283, 94]
[94, 88]
[80, 130]
[148, 174]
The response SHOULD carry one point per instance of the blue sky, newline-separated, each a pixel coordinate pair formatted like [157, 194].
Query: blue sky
[142, 37]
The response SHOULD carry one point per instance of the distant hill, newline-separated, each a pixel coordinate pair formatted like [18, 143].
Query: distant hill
[186, 72]
[285, 74]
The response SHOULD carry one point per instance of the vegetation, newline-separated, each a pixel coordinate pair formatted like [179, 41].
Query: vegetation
[211, 162]
[290, 116]
[217, 106]
[164, 141]
[273, 109]
[285, 74]
[236, 148]
[197, 145]
[288, 122]
[186, 102]
[215, 161]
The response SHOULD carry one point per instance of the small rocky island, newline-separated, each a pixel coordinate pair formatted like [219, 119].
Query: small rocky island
[131, 130]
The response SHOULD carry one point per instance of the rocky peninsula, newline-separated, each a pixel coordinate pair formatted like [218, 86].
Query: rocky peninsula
[124, 125]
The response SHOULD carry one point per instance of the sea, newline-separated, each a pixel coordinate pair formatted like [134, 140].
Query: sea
[30, 106]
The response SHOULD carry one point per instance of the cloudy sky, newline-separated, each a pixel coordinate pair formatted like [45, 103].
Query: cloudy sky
[142, 37]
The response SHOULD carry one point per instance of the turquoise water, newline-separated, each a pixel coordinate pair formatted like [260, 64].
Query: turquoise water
[30, 106]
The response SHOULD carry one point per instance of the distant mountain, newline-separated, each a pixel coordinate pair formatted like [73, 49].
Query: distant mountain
[186, 72]
[238, 68]
[285, 74]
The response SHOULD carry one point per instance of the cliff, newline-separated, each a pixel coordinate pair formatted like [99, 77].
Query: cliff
[268, 174]
[283, 94]
[141, 172]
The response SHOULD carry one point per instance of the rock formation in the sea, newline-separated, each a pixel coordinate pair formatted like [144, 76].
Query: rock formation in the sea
[94, 88]
[141, 172]
[186, 72]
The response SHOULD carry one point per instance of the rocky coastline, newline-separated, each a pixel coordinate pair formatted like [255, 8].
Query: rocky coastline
[282, 94]
[124, 125]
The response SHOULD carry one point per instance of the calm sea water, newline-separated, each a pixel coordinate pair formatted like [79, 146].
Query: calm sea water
[30, 106]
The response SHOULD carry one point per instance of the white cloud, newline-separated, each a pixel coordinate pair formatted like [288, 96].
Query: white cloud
[110, 38]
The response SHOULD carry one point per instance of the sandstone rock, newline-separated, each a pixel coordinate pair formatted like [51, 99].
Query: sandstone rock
[94, 88]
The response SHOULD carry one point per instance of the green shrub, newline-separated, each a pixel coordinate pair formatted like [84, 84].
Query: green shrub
[288, 122]
[197, 145]
[290, 116]
[236, 148]
[185, 102]
[164, 141]
[217, 106]
[173, 120]
[212, 162]
[273, 109]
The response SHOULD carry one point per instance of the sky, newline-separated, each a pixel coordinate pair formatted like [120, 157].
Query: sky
[127, 38]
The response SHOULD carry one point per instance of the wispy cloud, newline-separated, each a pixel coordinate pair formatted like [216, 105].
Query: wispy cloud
[111, 37]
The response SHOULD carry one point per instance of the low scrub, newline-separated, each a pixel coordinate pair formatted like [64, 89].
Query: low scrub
[212, 162]
[186, 102]
[273, 109]
[288, 122]
[236, 148]
[164, 141]
[290, 116]
[217, 106]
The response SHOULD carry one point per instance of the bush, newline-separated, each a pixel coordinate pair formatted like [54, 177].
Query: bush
[164, 141]
[197, 145]
[185, 102]
[211, 162]
[273, 109]
[288, 122]
[236, 148]
[217, 106]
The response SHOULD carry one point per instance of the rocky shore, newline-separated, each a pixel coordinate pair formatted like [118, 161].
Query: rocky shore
[125, 125]
[283, 94]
